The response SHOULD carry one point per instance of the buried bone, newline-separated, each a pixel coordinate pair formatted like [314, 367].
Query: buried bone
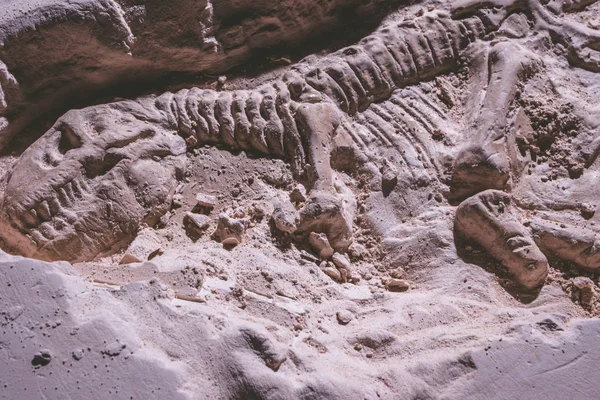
[101, 173]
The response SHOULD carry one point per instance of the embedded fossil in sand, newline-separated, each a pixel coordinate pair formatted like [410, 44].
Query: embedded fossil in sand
[490, 218]
[128, 154]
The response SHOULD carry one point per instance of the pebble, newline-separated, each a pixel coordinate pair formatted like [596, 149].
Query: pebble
[583, 291]
[397, 273]
[177, 201]
[341, 261]
[298, 194]
[205, 200]
[77, 354]
[41, 358]
[195, 223]
[333, 273]
[344, 317]
[114, 349]
[389, 177]
[397, 285]
[285, 217]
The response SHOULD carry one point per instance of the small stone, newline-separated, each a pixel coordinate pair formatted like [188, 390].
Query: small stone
[353, 277]
[358, 347]
[358, 252]
[333, 273]
[195, 224]
[114, 349]
[229, 230]
[341, 261]
[344, 273]
[238, 213]
[191, 141]
[221, 81]
[41, 358]
[389, 177]
[144, 247]
[285, 217]
[397, 285]
[78, 354]
[397, 273]
[177, 201]
[320, 244]
[582, 291]
[587, 211]
[206, 201]
[298, 194]
[344, 317]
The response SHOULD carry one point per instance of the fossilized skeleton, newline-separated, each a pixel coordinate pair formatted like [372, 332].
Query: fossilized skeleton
[91, 180]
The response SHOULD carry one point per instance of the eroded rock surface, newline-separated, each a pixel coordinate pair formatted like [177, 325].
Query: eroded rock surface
[409, 216]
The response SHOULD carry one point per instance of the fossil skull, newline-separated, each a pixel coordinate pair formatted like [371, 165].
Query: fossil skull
[85, 187]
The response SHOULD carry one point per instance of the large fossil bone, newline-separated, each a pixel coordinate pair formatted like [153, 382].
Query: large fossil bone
[275, 119]
[89, 183]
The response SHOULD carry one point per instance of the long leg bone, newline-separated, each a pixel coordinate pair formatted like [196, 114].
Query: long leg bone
[488, 219]
[568, 243]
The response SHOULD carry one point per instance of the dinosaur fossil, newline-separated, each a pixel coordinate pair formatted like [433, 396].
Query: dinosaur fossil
[98, 173]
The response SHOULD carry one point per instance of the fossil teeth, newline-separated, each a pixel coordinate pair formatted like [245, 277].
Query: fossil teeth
[77, 188]
[43, 210]
[64, 198]
[68, 189]
[55, 207]
[48, 230]
[80, 187]
[38, 237]
[60, 223]
[69, 215]
[30, 217]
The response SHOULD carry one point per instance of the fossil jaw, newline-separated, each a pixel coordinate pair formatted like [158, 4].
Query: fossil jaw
[89, 197]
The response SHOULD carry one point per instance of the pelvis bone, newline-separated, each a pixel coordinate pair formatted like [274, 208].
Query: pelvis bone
[87, 185]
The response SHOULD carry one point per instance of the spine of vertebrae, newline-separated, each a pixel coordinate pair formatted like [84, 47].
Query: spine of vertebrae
[264, 119]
